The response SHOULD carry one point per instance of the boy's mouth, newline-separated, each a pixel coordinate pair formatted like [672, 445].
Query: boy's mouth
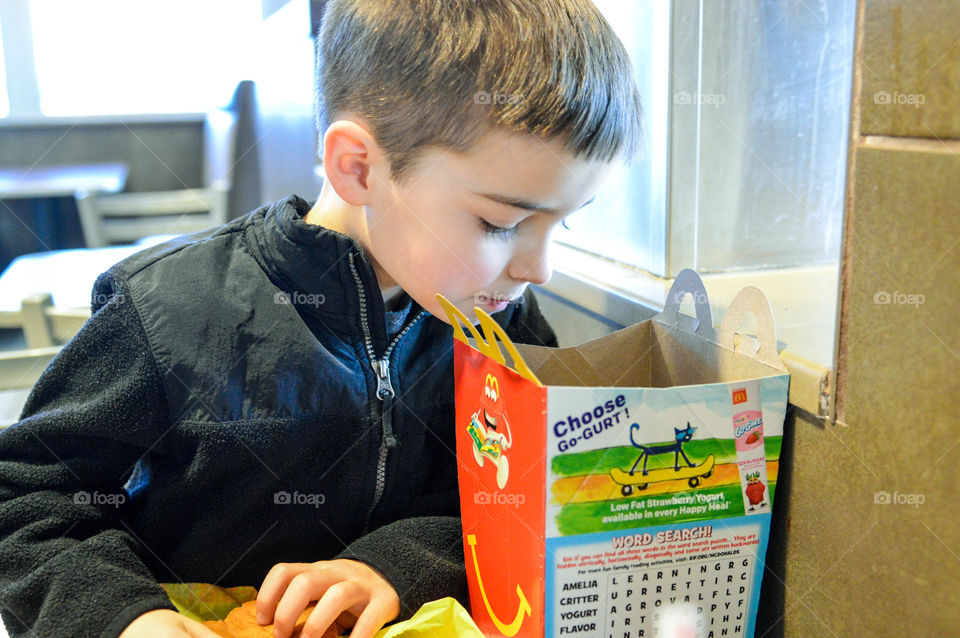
[495, 302]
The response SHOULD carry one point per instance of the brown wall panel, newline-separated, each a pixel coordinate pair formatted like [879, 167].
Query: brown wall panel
[911, 68]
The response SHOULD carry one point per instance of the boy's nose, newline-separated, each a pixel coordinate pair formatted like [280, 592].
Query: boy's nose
[532, 265]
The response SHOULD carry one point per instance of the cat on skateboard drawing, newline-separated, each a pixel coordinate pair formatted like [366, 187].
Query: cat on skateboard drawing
[490, 430]
[692, 472]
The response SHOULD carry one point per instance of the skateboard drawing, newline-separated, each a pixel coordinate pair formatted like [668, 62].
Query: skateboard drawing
[693, 473]
[488, 442]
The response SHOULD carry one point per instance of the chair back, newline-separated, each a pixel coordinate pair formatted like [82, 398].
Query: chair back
[230, 168]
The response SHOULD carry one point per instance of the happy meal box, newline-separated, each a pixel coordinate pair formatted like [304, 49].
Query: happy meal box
[623, 487]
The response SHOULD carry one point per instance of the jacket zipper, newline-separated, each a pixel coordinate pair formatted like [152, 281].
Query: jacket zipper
[381, 367]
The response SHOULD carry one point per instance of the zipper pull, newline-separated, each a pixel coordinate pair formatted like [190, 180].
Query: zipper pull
[385, 393]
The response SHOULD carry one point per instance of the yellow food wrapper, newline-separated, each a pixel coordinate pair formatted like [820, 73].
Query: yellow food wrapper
[443, 618]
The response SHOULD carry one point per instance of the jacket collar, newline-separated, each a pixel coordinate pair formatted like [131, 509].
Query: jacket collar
[312, 265]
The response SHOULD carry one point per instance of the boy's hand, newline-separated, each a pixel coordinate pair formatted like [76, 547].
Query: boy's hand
[166, 623]
[349, 594]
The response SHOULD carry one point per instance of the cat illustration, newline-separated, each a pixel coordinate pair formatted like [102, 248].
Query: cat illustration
[682, 436]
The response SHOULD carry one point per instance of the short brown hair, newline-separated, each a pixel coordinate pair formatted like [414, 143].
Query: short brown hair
[439, 73]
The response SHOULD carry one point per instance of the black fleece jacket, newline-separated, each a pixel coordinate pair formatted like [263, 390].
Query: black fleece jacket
[220, 413]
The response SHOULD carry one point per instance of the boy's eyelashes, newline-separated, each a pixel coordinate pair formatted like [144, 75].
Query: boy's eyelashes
[507, 232]
[500, 232]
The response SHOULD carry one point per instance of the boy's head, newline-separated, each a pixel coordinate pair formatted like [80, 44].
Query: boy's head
[440, 73]
[488, 109]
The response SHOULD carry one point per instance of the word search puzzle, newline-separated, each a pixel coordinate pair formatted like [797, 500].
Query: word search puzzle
[701, 586]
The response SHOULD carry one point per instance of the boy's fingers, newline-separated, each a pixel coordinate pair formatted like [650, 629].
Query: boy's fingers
[379, 612]
[273, 587]
[338, 598]
[310, 586]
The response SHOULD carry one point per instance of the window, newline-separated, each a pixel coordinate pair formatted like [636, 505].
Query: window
[746, 117]
[114, 57]
[627, 220]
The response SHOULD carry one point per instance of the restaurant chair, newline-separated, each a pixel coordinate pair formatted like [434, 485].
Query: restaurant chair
[46, 328]
[231, 178]
[123, 218]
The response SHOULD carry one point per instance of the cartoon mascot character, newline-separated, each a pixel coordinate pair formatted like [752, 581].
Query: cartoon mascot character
[490, 430]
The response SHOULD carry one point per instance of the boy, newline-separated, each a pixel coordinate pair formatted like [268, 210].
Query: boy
[271, 402]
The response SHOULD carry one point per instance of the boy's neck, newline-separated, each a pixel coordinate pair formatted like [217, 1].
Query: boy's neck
[332, 212]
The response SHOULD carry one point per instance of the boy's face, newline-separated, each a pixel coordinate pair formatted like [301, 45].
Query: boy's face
[475, 227]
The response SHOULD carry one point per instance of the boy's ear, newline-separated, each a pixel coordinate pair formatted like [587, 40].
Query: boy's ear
[349, 150]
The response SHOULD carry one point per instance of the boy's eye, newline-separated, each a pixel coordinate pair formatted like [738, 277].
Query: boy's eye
[497, 231]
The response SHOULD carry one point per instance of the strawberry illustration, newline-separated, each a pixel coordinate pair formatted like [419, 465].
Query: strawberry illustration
[753, 437]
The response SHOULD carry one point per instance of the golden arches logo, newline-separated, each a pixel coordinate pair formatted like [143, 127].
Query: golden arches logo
[523, 610]
[486, 342]
[492, 383]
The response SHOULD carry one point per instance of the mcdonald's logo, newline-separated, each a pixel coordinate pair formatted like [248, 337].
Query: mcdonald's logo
[492, 383]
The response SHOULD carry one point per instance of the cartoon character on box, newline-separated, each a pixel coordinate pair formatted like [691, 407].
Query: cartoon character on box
[693, 473]
[490, 430]
[755, 490]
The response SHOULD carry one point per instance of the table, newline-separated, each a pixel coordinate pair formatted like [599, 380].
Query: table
[37, 207]
[61, 181]
[68, 275]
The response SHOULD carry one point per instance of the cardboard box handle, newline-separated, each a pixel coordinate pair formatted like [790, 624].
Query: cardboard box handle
[487, 342]
[688, 282]
[751, 300]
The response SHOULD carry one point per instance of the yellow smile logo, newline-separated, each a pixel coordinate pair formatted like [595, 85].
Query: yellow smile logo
[523, 610]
